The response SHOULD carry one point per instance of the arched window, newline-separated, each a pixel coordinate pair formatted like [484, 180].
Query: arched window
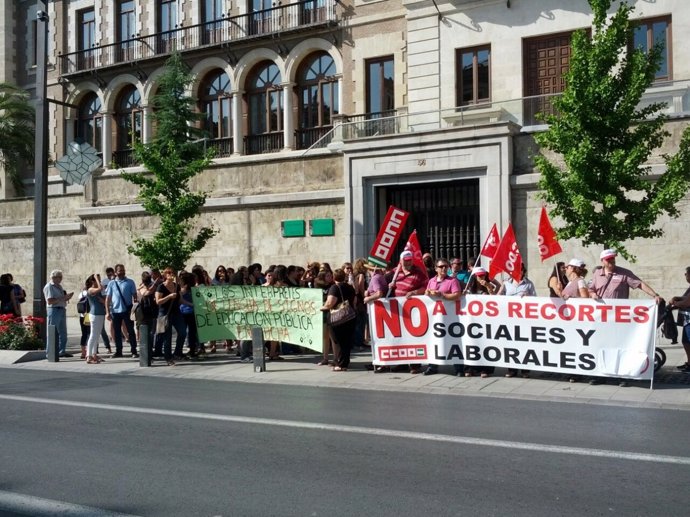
[214, 102]
[265, 110]
[89, 124]
[129, 118]
[318, 98]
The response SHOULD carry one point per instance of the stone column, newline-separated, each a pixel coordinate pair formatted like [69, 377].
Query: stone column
[107, 137]
[147, 126]
[288, 123]
[237, 122]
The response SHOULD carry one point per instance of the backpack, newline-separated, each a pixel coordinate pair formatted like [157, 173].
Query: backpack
[19, 293]
[83, 306]
[148, 306]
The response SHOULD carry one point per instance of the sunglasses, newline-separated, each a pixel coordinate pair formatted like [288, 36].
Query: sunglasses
[442, 265]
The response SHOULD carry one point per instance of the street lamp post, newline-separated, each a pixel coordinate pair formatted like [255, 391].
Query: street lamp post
[41, 164]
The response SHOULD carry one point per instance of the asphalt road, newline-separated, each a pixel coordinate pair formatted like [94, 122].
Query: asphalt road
[168, 447]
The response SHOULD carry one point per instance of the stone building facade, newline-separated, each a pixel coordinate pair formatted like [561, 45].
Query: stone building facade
[318, 110]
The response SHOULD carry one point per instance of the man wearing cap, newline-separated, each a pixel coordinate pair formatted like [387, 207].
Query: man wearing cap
[612, 281]
[410, 281]
[56, 299]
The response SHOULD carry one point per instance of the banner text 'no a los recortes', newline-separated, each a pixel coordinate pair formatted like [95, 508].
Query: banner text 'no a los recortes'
[580, 336]
[288, 314]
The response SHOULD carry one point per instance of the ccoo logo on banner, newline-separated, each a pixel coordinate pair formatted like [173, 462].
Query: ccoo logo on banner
[578, 336]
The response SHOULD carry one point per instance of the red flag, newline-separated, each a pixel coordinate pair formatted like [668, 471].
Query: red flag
[546, 239]
[491, 243]
[507, 257]
[413, 246]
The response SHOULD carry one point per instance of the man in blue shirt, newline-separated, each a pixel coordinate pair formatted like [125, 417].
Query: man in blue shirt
[121, 294]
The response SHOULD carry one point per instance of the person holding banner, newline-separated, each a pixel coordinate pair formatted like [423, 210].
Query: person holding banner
[576, 288]
[410, 280]
[343, 333]
[525, 287]
[612, 281]
[441, 287]
[558, 280]
[480, 283]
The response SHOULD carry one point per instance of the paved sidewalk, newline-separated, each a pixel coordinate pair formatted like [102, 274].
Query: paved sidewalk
[671, 388]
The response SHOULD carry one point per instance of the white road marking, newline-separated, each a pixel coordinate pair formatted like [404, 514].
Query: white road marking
[38, 507]
[373, 431]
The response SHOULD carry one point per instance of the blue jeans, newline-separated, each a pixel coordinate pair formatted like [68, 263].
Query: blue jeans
[57, 316]
[163, 344]
[164, 340]
[180, 325]
[118, 318]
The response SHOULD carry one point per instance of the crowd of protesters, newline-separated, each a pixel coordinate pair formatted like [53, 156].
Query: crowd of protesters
[115, 309]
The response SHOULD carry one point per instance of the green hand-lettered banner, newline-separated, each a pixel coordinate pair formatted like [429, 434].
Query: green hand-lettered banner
[288, 314]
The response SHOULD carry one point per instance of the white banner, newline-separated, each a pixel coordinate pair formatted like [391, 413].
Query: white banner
[580, 336]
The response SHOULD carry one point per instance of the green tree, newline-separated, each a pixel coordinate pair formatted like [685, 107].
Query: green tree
[17, 118]
[604, 194]
[173, 158]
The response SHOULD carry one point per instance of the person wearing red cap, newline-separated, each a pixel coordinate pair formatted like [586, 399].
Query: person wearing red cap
[410, 281]
[612, 281]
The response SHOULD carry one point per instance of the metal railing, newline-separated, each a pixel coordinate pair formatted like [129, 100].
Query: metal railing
[371, 124]
[223, 147]
[527, 112]
[307, 137]
[264, 143]
[280, 19]
[124, 158]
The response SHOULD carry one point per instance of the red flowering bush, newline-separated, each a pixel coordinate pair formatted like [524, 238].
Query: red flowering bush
[17, 333]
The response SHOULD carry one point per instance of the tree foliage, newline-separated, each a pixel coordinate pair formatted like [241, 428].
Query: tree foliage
[604, 193]
[17, 118]
[173, 158]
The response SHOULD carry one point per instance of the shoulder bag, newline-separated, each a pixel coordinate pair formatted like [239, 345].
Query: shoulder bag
[163, 321]
[128, 306]
[343, 312]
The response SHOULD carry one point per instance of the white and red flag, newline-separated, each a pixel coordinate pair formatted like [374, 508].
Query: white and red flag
[507, 257]
[546, 239]
[382, 251]
[491, 243]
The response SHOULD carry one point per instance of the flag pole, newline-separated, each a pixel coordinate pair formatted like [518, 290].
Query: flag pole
[471, 274]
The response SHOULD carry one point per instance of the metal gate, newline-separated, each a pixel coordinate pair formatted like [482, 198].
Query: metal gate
[446, 216]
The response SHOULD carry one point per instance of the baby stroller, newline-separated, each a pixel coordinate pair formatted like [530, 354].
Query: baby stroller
[666, 323]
